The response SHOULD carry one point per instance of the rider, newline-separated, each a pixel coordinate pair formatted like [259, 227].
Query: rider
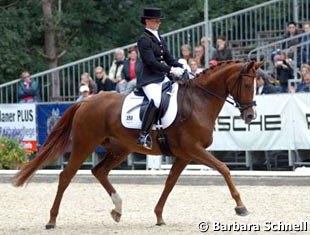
[157, 63]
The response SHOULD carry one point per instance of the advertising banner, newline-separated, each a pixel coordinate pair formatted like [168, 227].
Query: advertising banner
[271, 130]
[48, 115]
[301, 120]
[282, 123]
[18, 121]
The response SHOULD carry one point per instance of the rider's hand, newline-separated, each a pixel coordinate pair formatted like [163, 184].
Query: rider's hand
[177, 71]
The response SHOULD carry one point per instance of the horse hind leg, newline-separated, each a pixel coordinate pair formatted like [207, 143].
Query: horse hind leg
[78, 156]
[175, 171]
[101, 171]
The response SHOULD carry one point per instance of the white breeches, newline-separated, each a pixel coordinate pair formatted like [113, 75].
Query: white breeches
[153, 91]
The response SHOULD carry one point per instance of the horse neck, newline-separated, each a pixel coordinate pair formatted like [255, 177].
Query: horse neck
[212, 83]
[211, 87]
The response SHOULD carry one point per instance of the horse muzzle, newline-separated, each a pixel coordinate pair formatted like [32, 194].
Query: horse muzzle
[248, 115]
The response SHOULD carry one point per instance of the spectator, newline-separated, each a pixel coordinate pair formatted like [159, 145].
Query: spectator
[115, 72]
[193, 63]
[199, 56]
[284, 70]
[304, 86]
[304, 68]
[207, 47]
[102, 81]
[86, 79]
[186, 56]
[222, 52]
[28, 89]
[306, 48]
[292, 31]
[263, 85]
[84, 93]
[131, 70]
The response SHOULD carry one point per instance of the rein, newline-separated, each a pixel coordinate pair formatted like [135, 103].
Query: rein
[236, 103]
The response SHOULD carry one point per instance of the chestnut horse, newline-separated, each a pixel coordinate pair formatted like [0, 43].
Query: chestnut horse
[97, 121]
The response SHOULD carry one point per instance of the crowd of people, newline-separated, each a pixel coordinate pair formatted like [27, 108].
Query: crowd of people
[123, 72]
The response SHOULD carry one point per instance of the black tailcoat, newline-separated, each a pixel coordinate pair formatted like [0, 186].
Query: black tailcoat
[156, 59]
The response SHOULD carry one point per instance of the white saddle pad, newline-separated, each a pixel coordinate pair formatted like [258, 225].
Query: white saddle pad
[130, 118]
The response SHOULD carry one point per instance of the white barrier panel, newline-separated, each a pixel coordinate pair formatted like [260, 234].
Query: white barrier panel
[301, 121]
[19, 121]
[273, 129]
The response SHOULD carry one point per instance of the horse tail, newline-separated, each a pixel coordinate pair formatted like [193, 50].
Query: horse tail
[55, 145]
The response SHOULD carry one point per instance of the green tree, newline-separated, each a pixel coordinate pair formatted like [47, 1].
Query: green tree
[83, 28]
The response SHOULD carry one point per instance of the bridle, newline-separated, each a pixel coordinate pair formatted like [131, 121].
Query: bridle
[241, 105]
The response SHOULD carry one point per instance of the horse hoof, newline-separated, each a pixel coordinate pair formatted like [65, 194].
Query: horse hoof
[242, 211]
[50, 226]
[161, 223]
[116, 215]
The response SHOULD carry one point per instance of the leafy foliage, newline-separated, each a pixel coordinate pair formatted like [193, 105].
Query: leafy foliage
[84, 28]
[12, 154]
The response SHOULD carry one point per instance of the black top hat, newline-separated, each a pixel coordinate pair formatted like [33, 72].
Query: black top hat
[151, 13]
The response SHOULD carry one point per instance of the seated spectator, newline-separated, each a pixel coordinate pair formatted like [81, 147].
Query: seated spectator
[222, 51]
[84, 93]
[284, 70]
[199, 56]
[102, 81]
[86, 79]
[28, 89]
[131, 70]
[306, 48]
[115, 72]
[193, 63]
[207, 47]
[304, 68]
[186, 56]
[263, 85]
[304, 86]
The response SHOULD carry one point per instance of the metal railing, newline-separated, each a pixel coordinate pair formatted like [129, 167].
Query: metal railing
[299, 53]
[246, 30]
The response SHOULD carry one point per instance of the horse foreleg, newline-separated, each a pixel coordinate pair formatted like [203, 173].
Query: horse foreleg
[77, 157]
[101, 171]
[208, 159]
[175, 171]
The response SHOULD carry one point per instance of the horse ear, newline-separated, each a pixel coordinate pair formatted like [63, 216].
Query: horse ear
[258, 64]
[250, 65]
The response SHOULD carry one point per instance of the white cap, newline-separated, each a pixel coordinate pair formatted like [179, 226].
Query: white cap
[84, 88]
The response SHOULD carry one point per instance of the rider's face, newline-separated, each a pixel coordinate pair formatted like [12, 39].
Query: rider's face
[153, 23]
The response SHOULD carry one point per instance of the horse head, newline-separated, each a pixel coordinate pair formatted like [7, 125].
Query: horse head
[241, 86]
[233, 78]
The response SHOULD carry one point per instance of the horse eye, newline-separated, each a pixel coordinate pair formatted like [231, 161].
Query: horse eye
[247, 85]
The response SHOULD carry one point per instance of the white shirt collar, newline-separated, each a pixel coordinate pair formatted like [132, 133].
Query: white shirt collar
[155, 32]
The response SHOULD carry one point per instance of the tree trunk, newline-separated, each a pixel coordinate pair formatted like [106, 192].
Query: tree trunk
[50, 49]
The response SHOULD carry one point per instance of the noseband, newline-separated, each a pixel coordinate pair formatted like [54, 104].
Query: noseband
[242, 106]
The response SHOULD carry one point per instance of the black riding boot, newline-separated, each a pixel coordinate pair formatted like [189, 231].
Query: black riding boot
[147, 121]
